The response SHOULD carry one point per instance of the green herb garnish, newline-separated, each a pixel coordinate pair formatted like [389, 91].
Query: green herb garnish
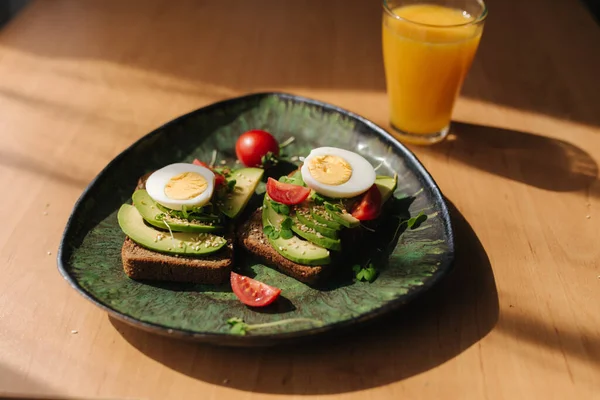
[279, 208]
[318, 199]
[286, 234]
[231, 184]
[367, 274]
[239, 327]
[415, 222]
[271, 232]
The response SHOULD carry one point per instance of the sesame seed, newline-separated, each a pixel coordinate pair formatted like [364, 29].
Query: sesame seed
[49, 253]
[303, 252]
[74, 332]
[280, 248]
[45, 212]
[223, 162]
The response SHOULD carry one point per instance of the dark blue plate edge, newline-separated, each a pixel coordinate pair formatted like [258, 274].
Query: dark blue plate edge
[280, 338]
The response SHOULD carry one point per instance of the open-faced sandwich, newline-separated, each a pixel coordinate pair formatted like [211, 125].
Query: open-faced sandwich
[312, 219]
[181, 224]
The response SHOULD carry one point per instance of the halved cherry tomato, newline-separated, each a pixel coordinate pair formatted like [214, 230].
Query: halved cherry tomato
[369, 206]
[286, 193]
[253, 145]
[219, 179]
[252, 292]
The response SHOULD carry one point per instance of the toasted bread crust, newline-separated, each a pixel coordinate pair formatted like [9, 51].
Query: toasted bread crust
[142, 264]
[251, 237]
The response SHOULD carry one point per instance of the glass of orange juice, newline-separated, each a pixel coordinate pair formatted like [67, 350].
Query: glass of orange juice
[428, 48]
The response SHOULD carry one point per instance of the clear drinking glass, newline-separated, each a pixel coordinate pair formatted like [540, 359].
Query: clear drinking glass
[428, 48]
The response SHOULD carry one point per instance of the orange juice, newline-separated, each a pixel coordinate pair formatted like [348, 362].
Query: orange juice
[427, 50]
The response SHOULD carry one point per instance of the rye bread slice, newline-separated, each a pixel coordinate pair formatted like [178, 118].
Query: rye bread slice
[140, 263]
[251, 237]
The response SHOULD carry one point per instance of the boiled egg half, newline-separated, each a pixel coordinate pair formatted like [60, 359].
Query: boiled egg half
[337, 173]
[181, 184]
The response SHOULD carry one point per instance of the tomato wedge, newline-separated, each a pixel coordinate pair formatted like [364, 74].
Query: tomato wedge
[219, 179]
[286, 193]
[369, 206]
[252, 292]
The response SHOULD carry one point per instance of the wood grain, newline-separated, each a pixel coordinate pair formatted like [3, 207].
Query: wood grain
[81, 80]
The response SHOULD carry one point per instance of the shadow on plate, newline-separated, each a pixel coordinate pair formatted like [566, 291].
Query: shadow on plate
[431, 330]
[535, 160]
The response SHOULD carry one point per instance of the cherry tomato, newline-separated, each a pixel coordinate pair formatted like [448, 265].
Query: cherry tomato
[219, 179]
[253, 145]
[286, 193]
[369, 206]
[252, 292]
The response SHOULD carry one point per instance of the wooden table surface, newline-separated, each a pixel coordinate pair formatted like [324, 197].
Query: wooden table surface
[518, 319]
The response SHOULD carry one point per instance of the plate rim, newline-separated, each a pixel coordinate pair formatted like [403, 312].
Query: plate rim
[274, 338]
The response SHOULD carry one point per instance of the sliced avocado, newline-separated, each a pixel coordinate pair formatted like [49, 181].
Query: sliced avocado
[304, 217]
[182, 243]
[323, 217]
[246, 179]
[149, 210]
[343, 218]
[386, 186]
[294, 249]
[315, 237]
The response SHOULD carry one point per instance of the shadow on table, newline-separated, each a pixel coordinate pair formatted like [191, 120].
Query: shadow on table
[431, 330]
[549, 66]
[538, 161]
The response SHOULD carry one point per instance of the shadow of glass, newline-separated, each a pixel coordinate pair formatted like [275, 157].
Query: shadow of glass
[549, 66]
[431, 330]
[538, 161]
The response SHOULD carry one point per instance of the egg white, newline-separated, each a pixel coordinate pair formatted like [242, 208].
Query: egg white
[362, 178]
[156, 183]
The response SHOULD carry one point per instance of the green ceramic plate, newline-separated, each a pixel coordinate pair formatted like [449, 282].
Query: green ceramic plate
[409, 260]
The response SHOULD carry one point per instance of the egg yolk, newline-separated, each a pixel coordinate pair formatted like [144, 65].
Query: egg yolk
[330, 170]
[185, 186]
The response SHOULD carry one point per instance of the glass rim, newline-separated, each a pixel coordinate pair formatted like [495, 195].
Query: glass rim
[480, 18]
